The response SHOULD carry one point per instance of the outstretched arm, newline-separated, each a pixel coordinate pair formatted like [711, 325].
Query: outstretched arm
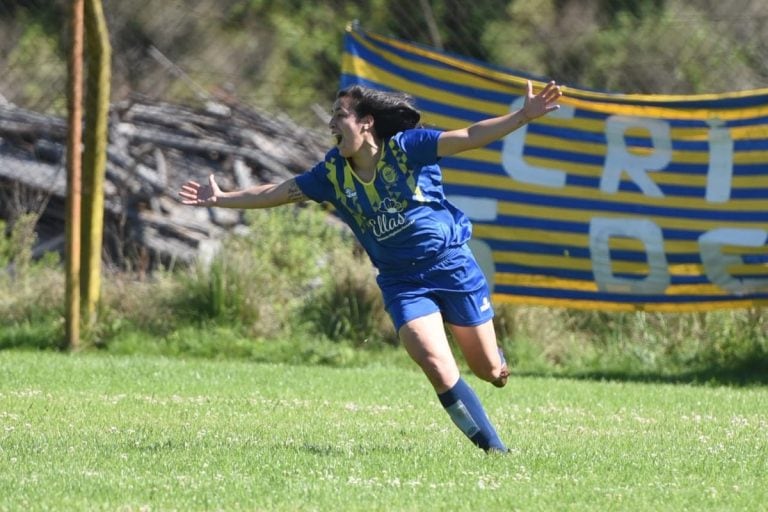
[258, 196]
[486, 131]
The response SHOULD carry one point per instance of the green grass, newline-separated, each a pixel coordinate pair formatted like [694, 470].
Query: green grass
[107, 432]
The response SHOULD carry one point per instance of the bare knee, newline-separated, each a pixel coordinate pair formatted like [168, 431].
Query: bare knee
[425, 341]
[489, 371]
[442, 374]
[481, 351]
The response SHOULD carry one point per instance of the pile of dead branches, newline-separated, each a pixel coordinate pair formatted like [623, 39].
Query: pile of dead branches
[153, 149]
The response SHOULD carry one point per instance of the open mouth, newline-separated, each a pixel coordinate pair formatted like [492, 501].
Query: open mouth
[337, 137]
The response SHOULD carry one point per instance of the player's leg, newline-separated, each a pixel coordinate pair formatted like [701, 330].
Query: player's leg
[425, 341]
[481, 351]
[464, 298]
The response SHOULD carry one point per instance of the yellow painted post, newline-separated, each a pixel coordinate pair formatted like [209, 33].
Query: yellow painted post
[98, 56]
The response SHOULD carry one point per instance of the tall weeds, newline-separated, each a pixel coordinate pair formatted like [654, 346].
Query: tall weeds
[295, 271]
[31, 292]
[721, 345]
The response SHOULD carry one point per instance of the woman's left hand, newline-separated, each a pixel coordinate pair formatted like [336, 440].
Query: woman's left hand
[537, 105]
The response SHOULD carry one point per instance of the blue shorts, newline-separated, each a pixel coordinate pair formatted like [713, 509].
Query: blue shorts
[453, 285]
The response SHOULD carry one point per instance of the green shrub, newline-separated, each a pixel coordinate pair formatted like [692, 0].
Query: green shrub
[31, 292]
[16, 249]
[350, 308]
[265, 280]
[729, 345]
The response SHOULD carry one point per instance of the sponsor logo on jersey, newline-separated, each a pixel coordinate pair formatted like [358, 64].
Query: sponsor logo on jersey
[389, 219]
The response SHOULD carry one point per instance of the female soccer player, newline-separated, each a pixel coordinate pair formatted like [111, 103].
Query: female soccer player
[384, 181]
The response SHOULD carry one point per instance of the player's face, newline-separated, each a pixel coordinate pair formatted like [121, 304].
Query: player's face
[346, 128]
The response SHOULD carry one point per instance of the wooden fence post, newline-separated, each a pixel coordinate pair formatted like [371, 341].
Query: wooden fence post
[98, 56]
[74, 161]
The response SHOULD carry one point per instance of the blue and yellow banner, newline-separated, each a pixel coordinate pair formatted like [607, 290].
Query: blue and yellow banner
[614, 202]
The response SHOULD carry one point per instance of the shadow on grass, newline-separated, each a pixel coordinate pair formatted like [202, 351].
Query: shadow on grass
[749, 368]
[749, 371]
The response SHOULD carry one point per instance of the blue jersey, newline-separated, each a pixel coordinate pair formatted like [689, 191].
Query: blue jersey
[401, 216]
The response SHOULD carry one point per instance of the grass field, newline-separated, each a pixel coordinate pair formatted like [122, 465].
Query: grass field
[98, 432]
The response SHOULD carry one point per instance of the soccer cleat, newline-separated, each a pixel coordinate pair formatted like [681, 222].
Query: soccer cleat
[504, 376]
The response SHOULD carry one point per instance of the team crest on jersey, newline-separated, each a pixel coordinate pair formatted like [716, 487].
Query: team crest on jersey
[389, 174]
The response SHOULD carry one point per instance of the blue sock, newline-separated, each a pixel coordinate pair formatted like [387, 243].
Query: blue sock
[466, 411]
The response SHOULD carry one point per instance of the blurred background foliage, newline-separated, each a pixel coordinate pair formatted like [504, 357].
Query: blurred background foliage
[285, 54]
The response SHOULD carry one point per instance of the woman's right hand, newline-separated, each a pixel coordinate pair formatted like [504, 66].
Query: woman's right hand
[194, 194]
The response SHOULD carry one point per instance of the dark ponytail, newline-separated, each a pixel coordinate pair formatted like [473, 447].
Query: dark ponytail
[392, 112]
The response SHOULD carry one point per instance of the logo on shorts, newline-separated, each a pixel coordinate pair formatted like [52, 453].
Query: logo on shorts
[486, 305]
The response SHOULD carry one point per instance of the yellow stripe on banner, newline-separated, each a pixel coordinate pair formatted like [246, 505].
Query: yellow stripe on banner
[444, 122]
[663, 98]
[750, 157]
[747, 269]
[493, 231]
[548, 282]
[565, 262]
[669, 307]
[559, 283]
[685, 269]
[586, 216]
[755, 251]
[665, 113]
